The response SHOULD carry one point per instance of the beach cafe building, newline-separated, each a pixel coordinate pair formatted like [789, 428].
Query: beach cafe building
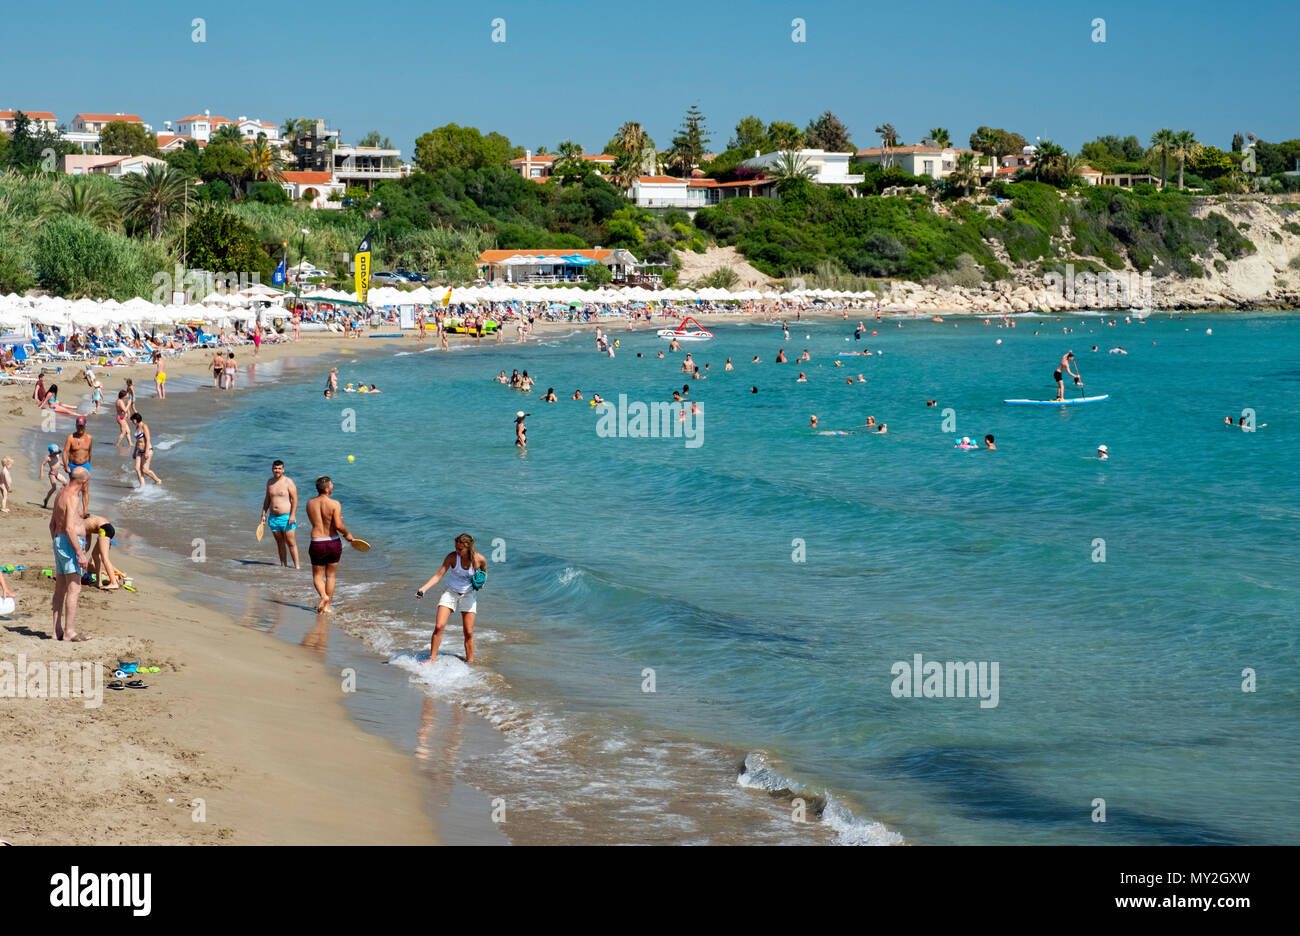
[553, 266]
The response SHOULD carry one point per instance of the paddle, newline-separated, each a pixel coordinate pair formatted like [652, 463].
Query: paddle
[261, 528]
[360, 545]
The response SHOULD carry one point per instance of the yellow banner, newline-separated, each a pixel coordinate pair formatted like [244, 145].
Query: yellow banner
[362, 276]
[446, 300]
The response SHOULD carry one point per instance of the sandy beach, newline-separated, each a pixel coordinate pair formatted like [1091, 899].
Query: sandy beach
[251, 727]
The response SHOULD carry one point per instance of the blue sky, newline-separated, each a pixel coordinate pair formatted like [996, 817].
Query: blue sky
[577, 70]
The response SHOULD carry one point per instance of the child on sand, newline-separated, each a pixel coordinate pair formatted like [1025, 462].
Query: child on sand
[6, 483]
[53, 466]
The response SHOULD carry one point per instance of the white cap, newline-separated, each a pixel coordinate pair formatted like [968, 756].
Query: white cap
[519, 415]
[1102, 448]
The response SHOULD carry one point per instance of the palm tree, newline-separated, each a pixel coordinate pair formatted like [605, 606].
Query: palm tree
[635, 150]
[228, 133]
[79, 197]
[1185, 147]
[990, 143]
[265, 163]
[966, 174]
[1163, 141]
[568, 158]
[941, 137]
[790, 165]
[289, 129]
[1049, 162]
[567, 149]
[888, 140]
[153, 196]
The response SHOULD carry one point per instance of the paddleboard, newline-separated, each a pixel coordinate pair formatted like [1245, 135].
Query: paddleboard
[360, 545]
[1073, 402]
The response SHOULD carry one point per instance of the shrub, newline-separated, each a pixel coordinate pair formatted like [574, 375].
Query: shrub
[268, 193]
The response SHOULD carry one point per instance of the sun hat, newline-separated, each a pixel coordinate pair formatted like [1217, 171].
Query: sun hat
[520, 415]
[1102, 448]
[53, 447]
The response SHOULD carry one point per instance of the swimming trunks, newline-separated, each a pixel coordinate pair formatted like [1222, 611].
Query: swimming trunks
[1057, 376]
[73, 466]
[65, 557]
[325, 552]
[281, 523]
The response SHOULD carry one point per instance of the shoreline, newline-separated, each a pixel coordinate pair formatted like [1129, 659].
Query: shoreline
[243, 724]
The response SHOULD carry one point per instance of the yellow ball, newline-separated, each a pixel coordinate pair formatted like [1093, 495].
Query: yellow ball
[352, 458]
[591, 402]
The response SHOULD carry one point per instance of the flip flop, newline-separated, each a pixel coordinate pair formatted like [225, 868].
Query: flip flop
[116, 685]
[136, 684]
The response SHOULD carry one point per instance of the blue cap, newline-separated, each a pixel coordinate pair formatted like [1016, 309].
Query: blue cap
[53, 447]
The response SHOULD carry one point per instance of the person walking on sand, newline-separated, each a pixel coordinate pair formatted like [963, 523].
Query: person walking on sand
[218, 368]
[142, 451]
[466, 572]
[76, 454]
[1067, 366]
[53, 465]
[120, 409]
[280, 511]
[326, 516]
[231, 369]
[70, 557]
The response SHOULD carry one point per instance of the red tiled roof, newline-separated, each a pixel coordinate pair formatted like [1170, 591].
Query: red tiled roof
[744, 182]
[212, 120]
[309, 178]
[35, 115]
[702, 183]
[551, 157]
[95, 118]
[658, 180]
[496, 256]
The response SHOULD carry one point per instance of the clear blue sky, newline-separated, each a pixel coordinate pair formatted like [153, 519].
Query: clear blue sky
[576, 70]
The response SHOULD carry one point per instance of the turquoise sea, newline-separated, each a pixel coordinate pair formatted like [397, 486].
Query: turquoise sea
[766, 582]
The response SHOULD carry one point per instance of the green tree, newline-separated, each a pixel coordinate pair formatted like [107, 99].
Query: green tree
[1184, 148]
[750, 135]
[4, 149]
[227, 133]
[598, 273]
[456, 147]
[152, 197]
[633, 152]
[689, 144]
[1048, 163]
[32, 148]
[119, 138]
[994, 142]
[225, 161]
[1212, 162]
[186, 160]
[781, 134]
[828, 132]
[220, 242]
[84, 197]
[888, 140]
[1162, 141]
[941, 137]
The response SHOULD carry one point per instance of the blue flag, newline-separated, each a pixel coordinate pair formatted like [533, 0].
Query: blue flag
[277, 278]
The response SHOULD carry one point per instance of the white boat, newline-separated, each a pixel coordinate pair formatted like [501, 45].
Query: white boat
[686, 330]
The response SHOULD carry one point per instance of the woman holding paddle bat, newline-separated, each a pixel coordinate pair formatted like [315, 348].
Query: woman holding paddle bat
[466, 572]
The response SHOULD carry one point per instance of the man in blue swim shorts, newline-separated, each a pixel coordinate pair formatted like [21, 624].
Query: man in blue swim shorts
[279, 508]
[69, 556]
[76, 454]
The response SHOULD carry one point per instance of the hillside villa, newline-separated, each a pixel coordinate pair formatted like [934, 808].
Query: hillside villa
[541, 167]
[41, 120]
[921, 159]
[115, 166]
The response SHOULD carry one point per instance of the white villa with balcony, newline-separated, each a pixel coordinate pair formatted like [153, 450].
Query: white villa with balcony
[365, 165]
[315, 187]
[41, 120]
[937, 162]
[828, 168]
[86, 127]
[115, 166]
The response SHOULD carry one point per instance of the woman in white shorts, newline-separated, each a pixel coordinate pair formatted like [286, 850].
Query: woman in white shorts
[466, 572]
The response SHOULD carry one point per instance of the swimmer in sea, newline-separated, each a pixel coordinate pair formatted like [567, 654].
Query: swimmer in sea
[801, 378]
[661, 354]
[595, 398]
[1066, 366]
[674, 346]
[728, 367]
[1103, 453]
[577, 395]
[812, 424]
[988, 443]
[688, 364]
[677, 396]
[756, 360]
[871, 423]
[861, 379]
[521, 431]
[549, 395]
[780, 356]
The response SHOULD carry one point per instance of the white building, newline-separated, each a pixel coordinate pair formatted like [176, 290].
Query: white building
[365, 165]
[827, 168]
[115, 166]
[41, 120]
[86, 127]
[919, 160]
[541, 167]
[316, 187]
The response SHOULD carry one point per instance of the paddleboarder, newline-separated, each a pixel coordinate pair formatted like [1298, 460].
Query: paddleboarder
[1066, 366]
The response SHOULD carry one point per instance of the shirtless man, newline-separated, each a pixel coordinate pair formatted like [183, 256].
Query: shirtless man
[1067, 366]
[76, 454]
[66, 529]
[218, 366]
[326, 516]
[332, 383]
[688, 365]
[280, 512]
